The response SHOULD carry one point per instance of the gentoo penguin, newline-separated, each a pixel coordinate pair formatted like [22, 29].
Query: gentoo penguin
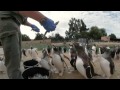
[61, 53]
[83, 63]
[86, 51]
[106, 63]
[93, 51]
[73, 58]
[118, 53]
[2, 66]
[25, 55]
[64, 49]
[113, 53]
[34, 53]
[45, 62]
[28, 52]
[49, 50]
[57, 62]
[69, 51]
[24, 52]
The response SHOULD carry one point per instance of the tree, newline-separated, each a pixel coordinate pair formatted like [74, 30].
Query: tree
[52, 37]
[83, 27]
[112, 36]
[103, 32]
[66, 39]
[39, 36]
[76, 27]
[96, 33]
[56, 37]
[25, 37]
[68, 34]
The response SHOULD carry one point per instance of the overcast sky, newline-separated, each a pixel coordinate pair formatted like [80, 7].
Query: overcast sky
[110, 20]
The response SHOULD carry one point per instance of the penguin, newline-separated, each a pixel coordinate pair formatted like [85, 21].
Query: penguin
[28, 52]
[73, 58]
[57, 62]
[2, 66]
[49, 50]
[118, 53]
[25, 55]
[45, 62]
[64, 49]
[94, 53]
[113, 53]
[24, 52]
[86, 51]
[106, 63]
[34, 53]
[83, 63]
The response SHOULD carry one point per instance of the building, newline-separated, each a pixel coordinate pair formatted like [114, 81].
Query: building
[105, 38]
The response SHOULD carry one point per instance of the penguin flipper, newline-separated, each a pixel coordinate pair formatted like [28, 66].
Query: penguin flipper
[112, 68]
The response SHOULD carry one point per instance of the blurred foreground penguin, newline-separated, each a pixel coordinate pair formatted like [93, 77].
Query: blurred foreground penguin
[83, 63]
[106, 63]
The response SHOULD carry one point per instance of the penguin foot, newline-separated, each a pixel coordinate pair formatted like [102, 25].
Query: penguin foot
[103, 75]
[52, 71]
[56, 71]
[95, 74]
[60, 74]
[75, 68]
[2, 72]
[107, 78]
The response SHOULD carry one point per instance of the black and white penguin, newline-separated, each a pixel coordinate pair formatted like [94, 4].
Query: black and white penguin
[45, 61]
[83, 63]
[113, 53]
[94, 53]
[106, 63]
[56, 60]
[2, 65]
[86, 50]
[64, 49]
[24, 52]
[118, 53]
[73, 58]
[48, 49]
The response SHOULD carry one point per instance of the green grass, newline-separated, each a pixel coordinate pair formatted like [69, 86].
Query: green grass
[39, 46]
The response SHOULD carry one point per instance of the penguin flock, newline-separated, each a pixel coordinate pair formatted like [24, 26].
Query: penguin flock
[80, 58]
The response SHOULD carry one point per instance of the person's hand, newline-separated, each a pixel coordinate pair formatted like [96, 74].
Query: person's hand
[35, 28]
[48, 24]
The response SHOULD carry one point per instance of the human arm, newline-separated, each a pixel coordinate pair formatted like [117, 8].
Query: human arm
[34, 27]
[47, 23]
[32, 14]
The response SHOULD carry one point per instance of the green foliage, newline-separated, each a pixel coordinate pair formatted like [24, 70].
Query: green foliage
[96, 33]
[112, 36]
[103, 32]
[57, 37]
[39, 46]
[39, 36]
[25, 37]
[77, 29]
